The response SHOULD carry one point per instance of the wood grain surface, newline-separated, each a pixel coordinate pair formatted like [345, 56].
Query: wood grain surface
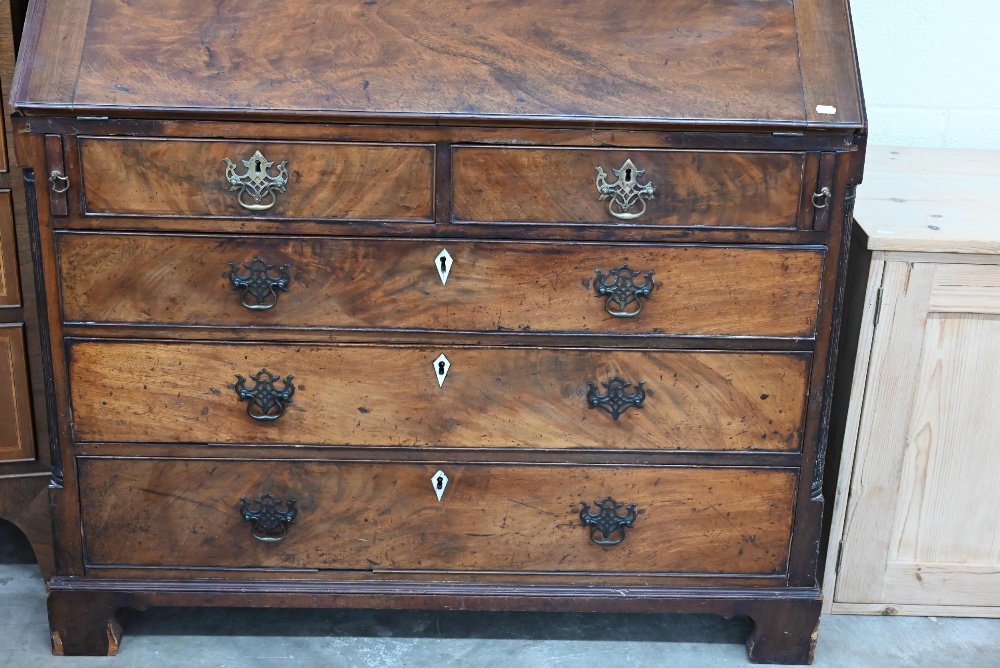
[16, 433]
[700, 60]
[10, 286]
[693, 188]
[395, 284]
[386, 516]
[389, 395]
[188, 178]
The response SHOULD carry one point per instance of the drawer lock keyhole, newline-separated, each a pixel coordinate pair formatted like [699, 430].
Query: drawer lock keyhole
[441, 366]
[439, 481]
[443, 263]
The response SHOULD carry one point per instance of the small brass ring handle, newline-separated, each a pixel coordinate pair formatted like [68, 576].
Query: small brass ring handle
[257, 182]
[267, 402]
[59, 181]
[260, 284]
[822, 198]
[625, 192]
[607, 525]
[269, 523]
[619, 286]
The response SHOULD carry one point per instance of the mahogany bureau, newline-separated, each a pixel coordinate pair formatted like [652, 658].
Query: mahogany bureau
[439, 304]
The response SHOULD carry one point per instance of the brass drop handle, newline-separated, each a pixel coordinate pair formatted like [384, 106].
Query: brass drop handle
[59, 181]
[618, 397]
[625, 192]
[267, 403]
[618, 285]
[607, 525]
[257, 182]
[260, 284]
[269, 523]
[821, 199]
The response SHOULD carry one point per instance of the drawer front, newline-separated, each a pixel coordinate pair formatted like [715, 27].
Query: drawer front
[16, 433]
[396, 284]
[10, 291]
[393, 396]
[387, 516]
[689, 188]
[164, 177]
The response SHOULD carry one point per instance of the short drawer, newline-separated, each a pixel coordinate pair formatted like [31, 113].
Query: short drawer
[387, 516]
[634, 186]
[444, 285]
[450, 396]
[174, 177]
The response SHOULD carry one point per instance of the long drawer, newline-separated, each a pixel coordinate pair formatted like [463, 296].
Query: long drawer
[313, 180]
[439, 285]
[451, 396]
[388, 516]
[636, 186]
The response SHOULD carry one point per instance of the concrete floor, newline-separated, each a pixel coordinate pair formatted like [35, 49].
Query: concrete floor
[388, 639]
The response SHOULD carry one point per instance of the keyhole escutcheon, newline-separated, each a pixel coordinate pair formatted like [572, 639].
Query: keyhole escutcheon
[442, 263]
[439, 481]
[441, 367]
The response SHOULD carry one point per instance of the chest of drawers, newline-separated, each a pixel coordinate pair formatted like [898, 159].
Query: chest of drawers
[485, 305]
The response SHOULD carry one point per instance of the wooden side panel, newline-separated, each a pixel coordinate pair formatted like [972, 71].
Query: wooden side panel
[693, 188]
[188, 178]
[387, 516]
[936, 545]
[16, 435]
[389, 395]
[10, 288]
[491, 286]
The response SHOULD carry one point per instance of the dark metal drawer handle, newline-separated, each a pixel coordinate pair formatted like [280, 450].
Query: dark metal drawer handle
[266, 401]
[260, 284]
[607, 524]
[625, 192]
[257, 182]
[618, 285]
[617, 399]
[269, 522]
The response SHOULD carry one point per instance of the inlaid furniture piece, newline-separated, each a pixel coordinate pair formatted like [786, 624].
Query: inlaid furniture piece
[915, 524]
[464, 305]
[25, 468]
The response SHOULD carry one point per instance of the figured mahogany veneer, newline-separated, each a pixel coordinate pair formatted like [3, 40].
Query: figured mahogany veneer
[188, 178]
[353, 516]
[389, 395]
[393, 284]
[693, 188]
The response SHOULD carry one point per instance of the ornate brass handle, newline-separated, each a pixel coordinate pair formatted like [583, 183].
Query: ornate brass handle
[260, 284]
[268, 522]
[607, 524]
[617, 399]
[267, 402]
[59, 181]
[620, 288]
[625, 192]
[257, 182]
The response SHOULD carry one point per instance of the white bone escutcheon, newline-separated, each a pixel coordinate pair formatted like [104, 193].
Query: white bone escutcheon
[441, 366]
[443, 263]
[439, 481]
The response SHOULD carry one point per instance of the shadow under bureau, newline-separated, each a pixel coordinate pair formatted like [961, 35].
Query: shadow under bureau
[526, 306]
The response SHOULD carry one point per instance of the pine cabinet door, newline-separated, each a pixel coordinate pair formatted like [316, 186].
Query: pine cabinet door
[923, 520]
